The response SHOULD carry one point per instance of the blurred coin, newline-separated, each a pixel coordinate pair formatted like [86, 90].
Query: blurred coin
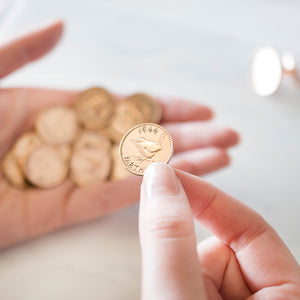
[45, 167]
[12, 171]
[90, 166]
[57, 125]
[91, 139]
[118, 171]
[126, 116]
[24, 145]
[150, 108]
[95, 108]
[144, 144]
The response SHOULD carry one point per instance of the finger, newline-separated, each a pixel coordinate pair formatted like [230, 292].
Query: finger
[28, 48]
[263, 257]
[169, 258]
[193, 135]
[177, 110]
[201, 161]
[221, 271]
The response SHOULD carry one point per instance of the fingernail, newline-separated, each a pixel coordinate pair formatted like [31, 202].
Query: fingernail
[160, 180]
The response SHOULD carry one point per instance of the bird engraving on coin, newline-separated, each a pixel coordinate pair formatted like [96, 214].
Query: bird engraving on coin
[148, 148]
[144, 144]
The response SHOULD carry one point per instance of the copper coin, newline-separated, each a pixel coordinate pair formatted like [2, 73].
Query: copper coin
[90, 166]
[95, 108]
[144, 144]
[118, 172]
[150, 108]
[12, 171]
[45, 167]
[126, 116]
[91, 139]
[24, 145]
[57, 125]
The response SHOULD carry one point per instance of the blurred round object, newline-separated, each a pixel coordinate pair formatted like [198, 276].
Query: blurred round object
[288, 62]
[266, 71]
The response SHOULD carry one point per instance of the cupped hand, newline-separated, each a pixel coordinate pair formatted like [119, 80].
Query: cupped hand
[200, 147]
[246, 259]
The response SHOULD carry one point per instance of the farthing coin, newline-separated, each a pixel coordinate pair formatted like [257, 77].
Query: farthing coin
[57, 125]
[90, 166]
[95, 108]
[45, 167]
[144, 144]
[150, 108]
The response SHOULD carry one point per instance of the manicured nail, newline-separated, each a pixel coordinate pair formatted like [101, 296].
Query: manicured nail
[159, 181]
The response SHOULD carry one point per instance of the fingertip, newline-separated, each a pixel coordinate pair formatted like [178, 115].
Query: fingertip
[205, 113]
[54, 29]
[233, 137]
[222, 157]
[226, 137]
[159, 180]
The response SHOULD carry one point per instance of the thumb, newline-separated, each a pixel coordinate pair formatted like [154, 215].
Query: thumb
[170, 267]
[29, 47]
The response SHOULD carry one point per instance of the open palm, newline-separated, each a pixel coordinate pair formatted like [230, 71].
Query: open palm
[200, 147]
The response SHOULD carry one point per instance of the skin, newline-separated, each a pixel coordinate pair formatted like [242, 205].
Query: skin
[246, 259]
[200, 148]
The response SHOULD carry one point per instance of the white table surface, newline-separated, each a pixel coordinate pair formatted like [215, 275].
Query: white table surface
[194, 49]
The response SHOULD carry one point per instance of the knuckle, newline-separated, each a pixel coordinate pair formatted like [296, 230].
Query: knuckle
[169, 227]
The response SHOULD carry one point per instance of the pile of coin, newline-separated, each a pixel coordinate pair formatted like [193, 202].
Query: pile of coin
[80, 142]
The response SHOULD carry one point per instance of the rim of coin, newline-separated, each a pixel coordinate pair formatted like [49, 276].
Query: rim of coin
[171, 152]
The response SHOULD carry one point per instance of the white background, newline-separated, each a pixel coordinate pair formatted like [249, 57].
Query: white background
[199, 50]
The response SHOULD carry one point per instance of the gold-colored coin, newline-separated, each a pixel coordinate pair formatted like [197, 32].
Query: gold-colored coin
[150, 108]
[118, 171]
[126, 116]
[95, 108]
[90, 166]
[144, 144]
[25, 144]
[91, 139]
[57, 125]
[12, 171]
[45, 167]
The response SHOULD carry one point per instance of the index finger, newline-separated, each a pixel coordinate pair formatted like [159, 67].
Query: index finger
[263, 257]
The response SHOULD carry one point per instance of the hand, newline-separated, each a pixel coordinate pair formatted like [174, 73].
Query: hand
[248, 260]
[200, 148]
